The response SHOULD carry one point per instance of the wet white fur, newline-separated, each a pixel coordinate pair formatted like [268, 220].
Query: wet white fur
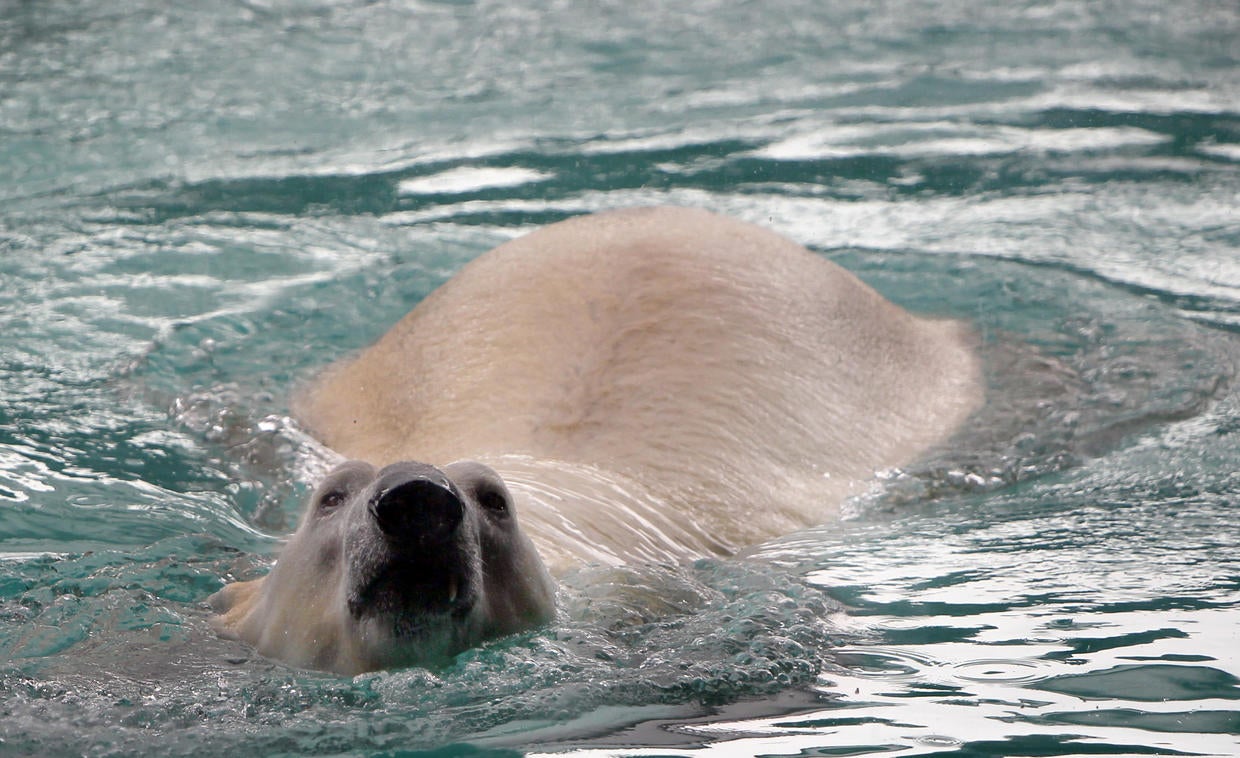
[654, 384]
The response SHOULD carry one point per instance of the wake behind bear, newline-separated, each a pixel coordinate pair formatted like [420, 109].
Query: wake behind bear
[642, 385]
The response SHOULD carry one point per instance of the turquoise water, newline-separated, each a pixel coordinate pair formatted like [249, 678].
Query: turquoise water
[203, 203]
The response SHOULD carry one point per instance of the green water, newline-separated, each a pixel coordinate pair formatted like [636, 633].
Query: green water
[202, 204]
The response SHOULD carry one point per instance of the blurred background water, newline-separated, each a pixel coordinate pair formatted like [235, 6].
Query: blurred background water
[203, 203]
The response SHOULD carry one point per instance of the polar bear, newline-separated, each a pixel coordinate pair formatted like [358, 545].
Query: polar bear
[640, 385]
[407, 564]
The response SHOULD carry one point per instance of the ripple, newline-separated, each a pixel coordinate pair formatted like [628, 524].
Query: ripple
[1011, 671]
[884, 663]
[940, 741]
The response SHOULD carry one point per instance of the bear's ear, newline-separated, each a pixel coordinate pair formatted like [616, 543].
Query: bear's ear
[233, 604]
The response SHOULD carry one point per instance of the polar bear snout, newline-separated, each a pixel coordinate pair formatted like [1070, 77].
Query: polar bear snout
[416, 506]
[412, 547]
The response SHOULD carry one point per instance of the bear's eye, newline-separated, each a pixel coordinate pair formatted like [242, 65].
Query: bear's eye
[493, 502]
[332, 499]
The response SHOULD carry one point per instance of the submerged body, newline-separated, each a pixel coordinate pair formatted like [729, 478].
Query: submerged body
[652, 384]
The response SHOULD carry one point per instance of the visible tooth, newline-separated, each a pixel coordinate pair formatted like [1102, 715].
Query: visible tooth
[451, 590]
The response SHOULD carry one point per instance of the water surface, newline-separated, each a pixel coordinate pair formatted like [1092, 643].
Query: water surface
[200, 205]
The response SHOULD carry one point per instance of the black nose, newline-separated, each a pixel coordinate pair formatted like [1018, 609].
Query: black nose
[416, 505]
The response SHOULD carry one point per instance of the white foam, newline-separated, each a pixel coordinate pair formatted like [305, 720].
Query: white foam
[1229, 151]
[941, 138]
[470, 179]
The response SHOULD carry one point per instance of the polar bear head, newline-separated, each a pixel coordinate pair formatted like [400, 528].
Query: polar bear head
[404, 565]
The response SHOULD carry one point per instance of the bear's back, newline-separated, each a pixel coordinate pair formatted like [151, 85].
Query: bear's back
[711, 361]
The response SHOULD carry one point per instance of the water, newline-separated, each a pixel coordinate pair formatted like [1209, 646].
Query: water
[201, 204]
